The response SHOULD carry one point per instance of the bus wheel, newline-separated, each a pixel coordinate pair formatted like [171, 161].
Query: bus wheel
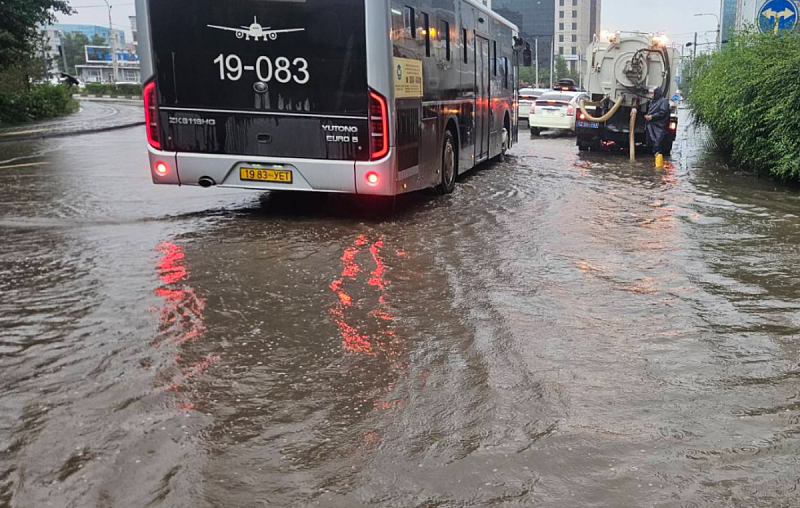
[448, 184]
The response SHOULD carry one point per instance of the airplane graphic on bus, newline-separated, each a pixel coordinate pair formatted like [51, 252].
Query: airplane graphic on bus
[256, 31]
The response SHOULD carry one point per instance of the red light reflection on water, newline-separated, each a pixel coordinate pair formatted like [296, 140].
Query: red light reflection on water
[344, 313]
[181, 319]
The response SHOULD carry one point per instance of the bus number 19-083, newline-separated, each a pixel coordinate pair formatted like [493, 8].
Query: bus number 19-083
[282, 69]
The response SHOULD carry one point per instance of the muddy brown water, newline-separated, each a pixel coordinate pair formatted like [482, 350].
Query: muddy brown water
[565, 331]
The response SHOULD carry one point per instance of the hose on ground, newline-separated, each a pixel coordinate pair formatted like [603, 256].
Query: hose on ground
[603, 118]
[632, 140]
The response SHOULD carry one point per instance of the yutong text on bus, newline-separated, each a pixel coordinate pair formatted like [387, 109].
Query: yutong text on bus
[354, 96]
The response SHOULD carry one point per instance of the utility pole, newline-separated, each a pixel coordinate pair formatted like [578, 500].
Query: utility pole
[694, 56]
[536, 43]
[112, 43]
[552, 61]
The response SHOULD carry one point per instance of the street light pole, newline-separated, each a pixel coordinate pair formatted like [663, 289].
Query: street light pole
[112, 43]
[536, 43]
[719, 27]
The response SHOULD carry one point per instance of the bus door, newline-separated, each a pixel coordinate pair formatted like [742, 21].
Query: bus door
[482, 100]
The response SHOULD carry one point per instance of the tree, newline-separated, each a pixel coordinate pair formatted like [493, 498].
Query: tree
[98, 40]
[74, 47]
[19, 26]
[562, 71]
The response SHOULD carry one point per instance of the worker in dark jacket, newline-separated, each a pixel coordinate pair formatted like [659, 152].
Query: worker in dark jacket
[657, 121]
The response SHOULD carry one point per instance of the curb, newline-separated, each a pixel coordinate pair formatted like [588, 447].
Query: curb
[108, 98]
[10, 138]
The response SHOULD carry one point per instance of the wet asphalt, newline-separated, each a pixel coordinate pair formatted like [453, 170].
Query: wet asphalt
[566, 330]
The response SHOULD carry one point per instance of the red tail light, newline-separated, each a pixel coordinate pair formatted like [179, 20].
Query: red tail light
[378, 126]
[570, 110]
[673, 126]
[581, 116]
[373, 178]
[162, 169]
[151, 115]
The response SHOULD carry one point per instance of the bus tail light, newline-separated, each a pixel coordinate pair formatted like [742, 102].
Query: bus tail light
[378, 126]
[373, 178]
[673, 126]
[151, 115]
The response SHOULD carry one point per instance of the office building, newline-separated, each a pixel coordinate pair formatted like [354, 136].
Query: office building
[535, 21]
[727, 14]
[90, 31]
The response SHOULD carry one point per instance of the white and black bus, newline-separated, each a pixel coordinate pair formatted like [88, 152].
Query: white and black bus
[356, 96]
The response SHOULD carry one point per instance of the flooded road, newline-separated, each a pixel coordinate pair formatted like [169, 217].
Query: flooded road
[566, 330]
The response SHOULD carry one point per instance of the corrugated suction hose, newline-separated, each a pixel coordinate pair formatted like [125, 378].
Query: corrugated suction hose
[604, 118]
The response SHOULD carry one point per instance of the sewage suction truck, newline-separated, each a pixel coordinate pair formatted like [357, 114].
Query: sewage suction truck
[622, 68]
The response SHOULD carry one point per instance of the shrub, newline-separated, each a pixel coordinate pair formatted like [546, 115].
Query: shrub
[113, 90]
[749, 97]
[38, 103]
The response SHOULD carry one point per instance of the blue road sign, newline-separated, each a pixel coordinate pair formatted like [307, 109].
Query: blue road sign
[676, 98]
[777, 16]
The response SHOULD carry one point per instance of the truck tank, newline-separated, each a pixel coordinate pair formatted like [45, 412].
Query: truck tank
[620, 70]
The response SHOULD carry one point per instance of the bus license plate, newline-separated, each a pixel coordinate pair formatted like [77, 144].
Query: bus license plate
[588, 125]
[265, 175]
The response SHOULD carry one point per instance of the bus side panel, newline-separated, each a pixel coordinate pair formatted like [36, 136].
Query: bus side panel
[467, 89]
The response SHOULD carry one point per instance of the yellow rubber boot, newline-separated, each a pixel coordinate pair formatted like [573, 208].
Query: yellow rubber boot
[659, 161]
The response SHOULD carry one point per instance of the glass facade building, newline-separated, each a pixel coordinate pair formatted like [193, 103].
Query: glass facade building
[535, 21]
[728, 13]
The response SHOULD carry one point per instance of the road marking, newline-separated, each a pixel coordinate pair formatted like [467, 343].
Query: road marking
[28, 165]
[20, 133]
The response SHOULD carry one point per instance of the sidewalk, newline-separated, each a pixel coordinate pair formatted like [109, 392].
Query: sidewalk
[94, 116]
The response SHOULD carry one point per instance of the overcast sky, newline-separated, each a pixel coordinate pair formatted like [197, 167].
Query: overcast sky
[673, 17]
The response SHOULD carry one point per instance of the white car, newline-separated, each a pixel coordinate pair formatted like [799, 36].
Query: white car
[555, 110]
[527, 96]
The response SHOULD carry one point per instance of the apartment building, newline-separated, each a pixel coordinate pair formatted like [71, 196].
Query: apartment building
[576, 24]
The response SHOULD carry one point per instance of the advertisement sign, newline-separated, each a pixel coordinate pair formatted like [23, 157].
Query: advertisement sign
[102, 55]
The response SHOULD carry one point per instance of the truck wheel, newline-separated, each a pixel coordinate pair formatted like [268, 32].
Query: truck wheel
[535, 131]
[449, 170]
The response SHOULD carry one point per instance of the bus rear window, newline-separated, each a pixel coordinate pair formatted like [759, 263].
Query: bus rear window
[269, 55]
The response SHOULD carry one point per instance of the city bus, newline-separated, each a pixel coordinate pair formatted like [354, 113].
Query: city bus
[377, 97]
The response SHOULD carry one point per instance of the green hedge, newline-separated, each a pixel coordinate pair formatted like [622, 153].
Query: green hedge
[114, 90]
[39, 103]
[749, 97]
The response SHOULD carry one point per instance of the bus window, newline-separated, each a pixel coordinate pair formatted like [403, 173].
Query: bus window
[466, 46]
[444, 27]
[398, 26]
[410, 22]
[505, 72]
[426, 30]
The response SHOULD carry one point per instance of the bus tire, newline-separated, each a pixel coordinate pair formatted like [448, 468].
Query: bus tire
[535, 131]
[449, 164]
[501, 157]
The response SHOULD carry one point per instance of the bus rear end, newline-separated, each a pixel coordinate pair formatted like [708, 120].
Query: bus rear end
[266, 94]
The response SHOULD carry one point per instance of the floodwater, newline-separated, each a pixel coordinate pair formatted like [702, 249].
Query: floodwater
[566, 330]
